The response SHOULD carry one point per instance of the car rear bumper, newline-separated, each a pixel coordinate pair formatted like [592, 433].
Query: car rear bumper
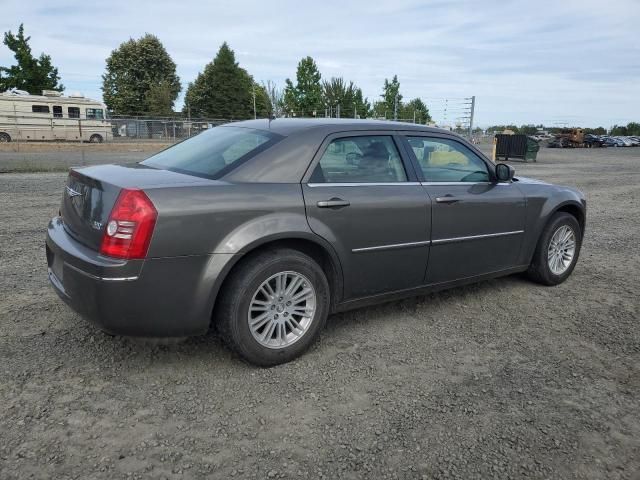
[158, 297]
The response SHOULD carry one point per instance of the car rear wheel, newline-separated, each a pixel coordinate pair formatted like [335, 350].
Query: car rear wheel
[273, 306]
[4, 137]
[557, 250]
[95, 138]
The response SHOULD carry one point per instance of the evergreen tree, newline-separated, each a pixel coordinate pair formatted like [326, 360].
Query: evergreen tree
[30, 74]
[390, 95]
[223, 90]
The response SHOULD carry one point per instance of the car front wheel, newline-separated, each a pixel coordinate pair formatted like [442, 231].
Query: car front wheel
[557, 251]
[273, 306]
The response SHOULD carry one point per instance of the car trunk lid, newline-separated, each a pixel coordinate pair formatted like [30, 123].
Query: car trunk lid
[91, 192]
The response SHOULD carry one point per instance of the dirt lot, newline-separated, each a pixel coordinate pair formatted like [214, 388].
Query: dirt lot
[505, 379]
[50, 156]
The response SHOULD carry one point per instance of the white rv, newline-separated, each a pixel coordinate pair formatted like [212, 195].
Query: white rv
[51, 116]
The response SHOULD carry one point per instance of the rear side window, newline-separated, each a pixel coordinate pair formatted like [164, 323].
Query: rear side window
[74, 112]
[366, 159]
[443, 160]
[214, 152]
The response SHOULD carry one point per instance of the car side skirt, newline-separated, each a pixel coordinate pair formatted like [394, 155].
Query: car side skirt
[423, 290]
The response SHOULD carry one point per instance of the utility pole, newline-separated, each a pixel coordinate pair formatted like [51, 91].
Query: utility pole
[338, 111]
[355, 110]
[414, 115]
[395, 107]
[255, 115]
[473, 106]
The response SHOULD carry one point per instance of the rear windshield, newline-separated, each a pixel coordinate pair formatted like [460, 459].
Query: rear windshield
[213, 153]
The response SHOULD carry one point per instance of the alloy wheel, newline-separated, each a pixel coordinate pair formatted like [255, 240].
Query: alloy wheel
[562, 249]
[282, 309]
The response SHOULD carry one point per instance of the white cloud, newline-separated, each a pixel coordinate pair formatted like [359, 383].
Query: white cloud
[525, 61]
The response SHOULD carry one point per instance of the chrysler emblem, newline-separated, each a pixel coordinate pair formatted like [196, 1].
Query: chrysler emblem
[72, 193]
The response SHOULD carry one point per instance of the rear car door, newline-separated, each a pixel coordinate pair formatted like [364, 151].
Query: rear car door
[363, 197]
[477, 222]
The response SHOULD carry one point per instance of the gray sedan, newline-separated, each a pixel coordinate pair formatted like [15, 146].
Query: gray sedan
[260, 229]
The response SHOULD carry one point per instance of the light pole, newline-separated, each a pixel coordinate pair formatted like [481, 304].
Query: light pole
[254, 102]
[355, 110]
[395, 107]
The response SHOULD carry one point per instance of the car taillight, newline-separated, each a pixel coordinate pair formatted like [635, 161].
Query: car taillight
[130, 226]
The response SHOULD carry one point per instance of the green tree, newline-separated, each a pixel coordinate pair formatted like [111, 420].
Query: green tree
[139, 72]
[390, 95]
[30, 74]
[222, 90]
[415, 110]
[336, 92]
[633, 128]
[596, 131]
[276, 98]
[263, 103]
[305, 98]
[160, 99]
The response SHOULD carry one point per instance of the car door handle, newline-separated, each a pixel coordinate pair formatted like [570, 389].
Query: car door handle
[333, 203]
[447, 199]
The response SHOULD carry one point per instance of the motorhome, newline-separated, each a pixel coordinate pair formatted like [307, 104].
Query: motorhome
[52, 116]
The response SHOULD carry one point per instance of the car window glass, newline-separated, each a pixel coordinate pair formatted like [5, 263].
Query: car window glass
[365, 159]
[209, 153]
[443, 160]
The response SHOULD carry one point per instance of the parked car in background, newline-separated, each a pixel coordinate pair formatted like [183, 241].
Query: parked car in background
[262, 228]
[613, 142]
[592, 141]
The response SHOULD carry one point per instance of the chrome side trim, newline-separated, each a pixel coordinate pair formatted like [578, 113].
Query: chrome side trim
[391, 247]
[375, 184]
[428, 184]
[440, 241]
[106, 279]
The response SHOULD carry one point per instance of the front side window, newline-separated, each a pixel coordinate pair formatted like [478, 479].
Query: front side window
[40, 108]
[57, 111]
[74, 112]
[95, 114]
[443, 160]
[213, 152]
[366, 159]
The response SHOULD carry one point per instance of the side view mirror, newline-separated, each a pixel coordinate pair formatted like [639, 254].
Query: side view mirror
[504, 172]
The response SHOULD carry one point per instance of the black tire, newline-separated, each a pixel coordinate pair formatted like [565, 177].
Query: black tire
[539, 270]
[231, 312]
[95, 138]
[4, 137]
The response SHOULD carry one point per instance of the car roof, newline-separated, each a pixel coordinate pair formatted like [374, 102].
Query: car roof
[288, 126]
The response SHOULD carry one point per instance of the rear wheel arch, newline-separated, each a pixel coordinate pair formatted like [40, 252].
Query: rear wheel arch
[322, 254]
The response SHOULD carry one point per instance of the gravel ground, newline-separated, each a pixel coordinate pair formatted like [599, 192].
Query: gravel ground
[504, 379]
[49, 156]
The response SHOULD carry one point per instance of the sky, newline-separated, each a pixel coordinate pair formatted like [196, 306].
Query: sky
[563, 62]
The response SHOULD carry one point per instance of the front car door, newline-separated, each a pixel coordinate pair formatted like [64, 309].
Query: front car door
[477, 223]
[364, 198]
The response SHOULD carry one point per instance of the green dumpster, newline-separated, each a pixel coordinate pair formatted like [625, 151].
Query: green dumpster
[532, 149]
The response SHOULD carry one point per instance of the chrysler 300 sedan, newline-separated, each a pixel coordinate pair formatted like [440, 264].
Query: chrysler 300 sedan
[260, 229]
